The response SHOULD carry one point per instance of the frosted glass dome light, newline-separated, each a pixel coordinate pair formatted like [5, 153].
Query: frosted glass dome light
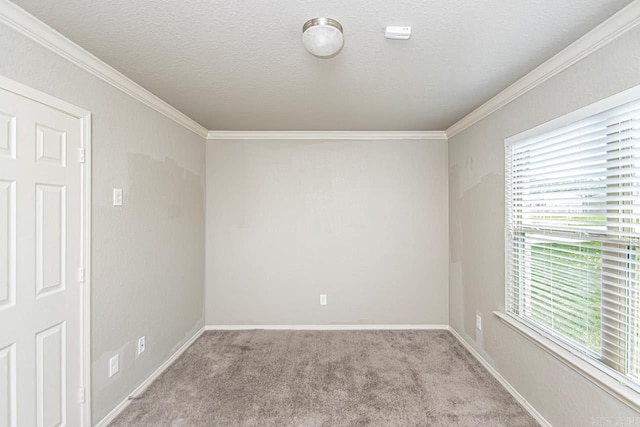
[322, 37]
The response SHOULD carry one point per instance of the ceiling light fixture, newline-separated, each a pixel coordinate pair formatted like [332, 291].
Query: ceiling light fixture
[322, 37]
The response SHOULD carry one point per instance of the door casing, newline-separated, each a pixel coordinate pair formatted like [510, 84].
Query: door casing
[85, 193]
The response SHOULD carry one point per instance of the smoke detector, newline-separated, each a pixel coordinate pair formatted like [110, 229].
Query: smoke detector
[398, 33]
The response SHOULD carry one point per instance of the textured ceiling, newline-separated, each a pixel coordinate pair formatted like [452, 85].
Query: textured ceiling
[240, 65]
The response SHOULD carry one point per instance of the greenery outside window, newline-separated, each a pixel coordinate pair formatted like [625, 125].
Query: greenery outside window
[573, 234]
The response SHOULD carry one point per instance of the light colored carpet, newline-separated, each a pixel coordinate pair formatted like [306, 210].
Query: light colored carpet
[325, 378]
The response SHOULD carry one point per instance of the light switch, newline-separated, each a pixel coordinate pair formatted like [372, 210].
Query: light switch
[117, 197]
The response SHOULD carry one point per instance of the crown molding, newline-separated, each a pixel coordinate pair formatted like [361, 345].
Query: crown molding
[609, 30]
[326, 135]
[31, 27]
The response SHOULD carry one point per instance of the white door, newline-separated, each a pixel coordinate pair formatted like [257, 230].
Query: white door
[41, 340]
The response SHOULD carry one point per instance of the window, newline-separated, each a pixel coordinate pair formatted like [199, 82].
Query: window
[573, 235]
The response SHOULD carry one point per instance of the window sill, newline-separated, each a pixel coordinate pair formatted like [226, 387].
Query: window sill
[619, 388]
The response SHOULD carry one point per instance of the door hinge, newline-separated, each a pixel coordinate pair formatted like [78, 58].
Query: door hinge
[81, 155]
[81, 275]
[81, 396]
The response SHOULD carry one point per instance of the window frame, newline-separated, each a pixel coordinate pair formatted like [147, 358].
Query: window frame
[609, 380]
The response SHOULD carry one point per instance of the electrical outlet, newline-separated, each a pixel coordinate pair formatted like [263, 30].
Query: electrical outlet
[323, 299]
[141, 345]
[117, 197]
[479, 321]
[114, 365]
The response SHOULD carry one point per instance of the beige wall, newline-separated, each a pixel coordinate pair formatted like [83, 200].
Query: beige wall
[363, 221]
[148, 270]
[476, 217]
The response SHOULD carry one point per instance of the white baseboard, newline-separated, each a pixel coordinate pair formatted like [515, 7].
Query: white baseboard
[325, 327]
[143, 386]
[527, 406]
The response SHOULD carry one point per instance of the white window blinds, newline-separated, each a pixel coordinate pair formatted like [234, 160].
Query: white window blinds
[573, 237]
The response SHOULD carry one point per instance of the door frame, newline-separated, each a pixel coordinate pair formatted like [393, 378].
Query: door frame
[85, 229]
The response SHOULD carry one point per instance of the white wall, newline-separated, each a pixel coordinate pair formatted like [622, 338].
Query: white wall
[148, 269]
[476, 197]
[362, 221]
